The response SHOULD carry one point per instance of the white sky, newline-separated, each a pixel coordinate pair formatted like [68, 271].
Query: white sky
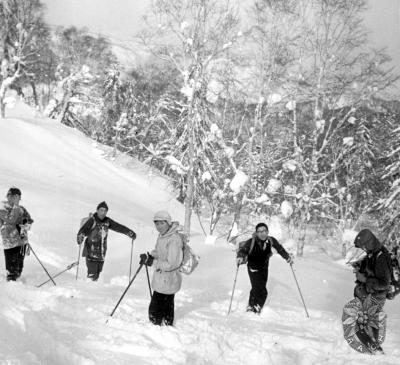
[121, 19]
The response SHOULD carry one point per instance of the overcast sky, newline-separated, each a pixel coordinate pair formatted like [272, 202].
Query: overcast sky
[121, 19]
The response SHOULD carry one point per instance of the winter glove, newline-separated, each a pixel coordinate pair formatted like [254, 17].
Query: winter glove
[240, 261]
[143, 258]
[24, 228]
[150, 260]
[27, 250]
[132, 235]
[80, 238]
[146, 259]
[290, 259]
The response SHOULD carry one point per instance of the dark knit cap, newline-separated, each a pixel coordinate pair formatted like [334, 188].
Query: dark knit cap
[261, 225]
[14, 191]
[102, 205]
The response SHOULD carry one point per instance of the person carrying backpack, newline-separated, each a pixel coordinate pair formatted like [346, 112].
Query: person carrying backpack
[15, 222]
[363, 319]
[256, 252]
[167, 259]
[374, 272]
[96, 231]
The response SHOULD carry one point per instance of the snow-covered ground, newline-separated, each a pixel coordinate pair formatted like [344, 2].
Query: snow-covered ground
[63, 176]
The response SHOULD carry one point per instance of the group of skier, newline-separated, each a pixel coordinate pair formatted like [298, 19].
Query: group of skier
[373, 274]
[166, 257]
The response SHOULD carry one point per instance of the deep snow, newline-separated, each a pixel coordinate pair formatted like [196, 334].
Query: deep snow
[63, 175]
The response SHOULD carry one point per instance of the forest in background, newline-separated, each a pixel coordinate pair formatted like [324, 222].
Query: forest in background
[290, 115]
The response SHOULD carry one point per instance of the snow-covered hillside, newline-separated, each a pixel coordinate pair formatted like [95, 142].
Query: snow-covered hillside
[63, 176]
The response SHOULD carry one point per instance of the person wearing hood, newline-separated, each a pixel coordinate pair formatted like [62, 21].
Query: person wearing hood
[96, 231]
[166, 258]
[374, 271]
[256, 252]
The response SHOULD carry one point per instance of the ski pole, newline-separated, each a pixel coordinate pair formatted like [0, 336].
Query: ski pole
[37, 258]
[79, 256]
[69, 267]
[148, 281]
[130, 265]
[233, 290]
[127, 288]
[298, 287]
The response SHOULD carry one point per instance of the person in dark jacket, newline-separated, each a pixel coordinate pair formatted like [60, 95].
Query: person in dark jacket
[374, 272]
[15, 223]
[95, 247]
[256, 252]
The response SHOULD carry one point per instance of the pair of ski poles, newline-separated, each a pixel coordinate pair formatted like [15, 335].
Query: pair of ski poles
[51, 278]
[297, 283]
[76, 263]
[79, 256]
[129, 285]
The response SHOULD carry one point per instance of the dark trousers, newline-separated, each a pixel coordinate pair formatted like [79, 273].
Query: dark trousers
[94, 269]
[14, 262]
[258, 292]
[161, 309]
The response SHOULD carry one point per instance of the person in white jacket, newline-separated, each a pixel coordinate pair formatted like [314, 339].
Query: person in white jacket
[167, 280]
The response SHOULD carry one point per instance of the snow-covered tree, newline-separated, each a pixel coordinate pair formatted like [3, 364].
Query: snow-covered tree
[330, 75]
[23, 35]
[83, 62]
[389, 207]
[195, 34]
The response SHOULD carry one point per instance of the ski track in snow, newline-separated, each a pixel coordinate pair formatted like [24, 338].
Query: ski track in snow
[63, 177]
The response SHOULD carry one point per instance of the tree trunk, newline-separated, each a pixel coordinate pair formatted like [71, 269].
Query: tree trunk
[34, 93]
[236, 214]
[302, 231]
[190, 179]
[2, 109]
[215, 217]
[301, 238]
[64, 109]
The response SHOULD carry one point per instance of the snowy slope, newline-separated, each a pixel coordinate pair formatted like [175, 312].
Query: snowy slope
[63, 176]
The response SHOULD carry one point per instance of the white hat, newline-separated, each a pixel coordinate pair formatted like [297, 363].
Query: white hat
[162, 215]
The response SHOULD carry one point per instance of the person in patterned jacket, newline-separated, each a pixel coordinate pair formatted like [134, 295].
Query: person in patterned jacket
[15, 222]
[96, 230]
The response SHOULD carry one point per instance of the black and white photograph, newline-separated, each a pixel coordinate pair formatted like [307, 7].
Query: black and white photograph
[200, 182]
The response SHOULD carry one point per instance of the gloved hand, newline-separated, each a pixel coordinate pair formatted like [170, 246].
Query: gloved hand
[240, 261]
[80, 238]
[146, 259]
[150, 260]
[361, 277]
[132, 234]
[290, 259]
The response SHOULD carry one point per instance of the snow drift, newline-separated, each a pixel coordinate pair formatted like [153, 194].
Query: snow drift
[63, 176]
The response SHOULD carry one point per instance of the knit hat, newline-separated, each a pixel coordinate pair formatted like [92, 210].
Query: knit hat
[14, 191]
[261, 225]
[102, 205]
[162, 215]
[366, 239]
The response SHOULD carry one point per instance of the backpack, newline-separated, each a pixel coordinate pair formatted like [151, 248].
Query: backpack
[395, 273]
[189, 259]
[84, 220]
